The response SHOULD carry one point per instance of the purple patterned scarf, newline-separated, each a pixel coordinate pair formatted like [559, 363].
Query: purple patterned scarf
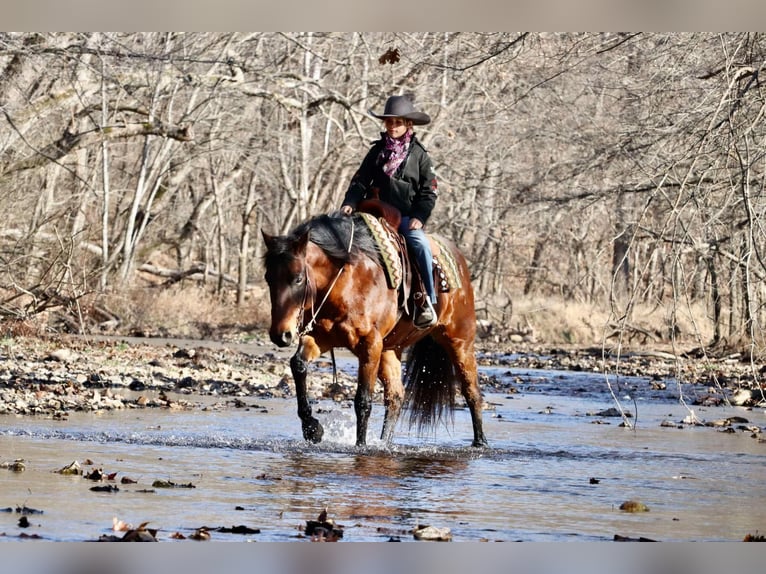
[394, 152]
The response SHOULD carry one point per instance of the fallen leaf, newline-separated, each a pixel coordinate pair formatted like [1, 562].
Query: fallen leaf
[201, 534]
[323, 529]
[634, 506]
[140, 536]
[390, 56]
[71, 468]
[15, 466]
[95, 474]
[119, 525]
[754, 537]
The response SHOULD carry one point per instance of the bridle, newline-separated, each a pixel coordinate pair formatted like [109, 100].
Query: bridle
[307, 289]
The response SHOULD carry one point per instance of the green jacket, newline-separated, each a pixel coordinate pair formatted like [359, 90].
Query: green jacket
[412, 189]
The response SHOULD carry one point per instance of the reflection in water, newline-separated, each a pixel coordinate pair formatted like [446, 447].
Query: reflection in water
[377, 485]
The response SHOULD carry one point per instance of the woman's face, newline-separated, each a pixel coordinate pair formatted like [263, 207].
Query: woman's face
[396, 127]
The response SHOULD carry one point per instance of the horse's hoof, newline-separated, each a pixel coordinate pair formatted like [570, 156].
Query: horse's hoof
[482, 443]
[313, 431]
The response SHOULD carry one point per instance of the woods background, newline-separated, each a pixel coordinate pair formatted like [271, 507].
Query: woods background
[601, 185]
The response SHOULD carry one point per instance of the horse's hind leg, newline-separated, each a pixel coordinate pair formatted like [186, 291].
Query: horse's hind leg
[307, 351]
[465, 367]
[390, 374]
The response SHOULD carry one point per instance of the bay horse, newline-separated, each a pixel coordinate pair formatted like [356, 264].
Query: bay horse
[328, 290]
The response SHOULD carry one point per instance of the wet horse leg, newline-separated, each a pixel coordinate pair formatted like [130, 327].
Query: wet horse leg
[369, 352]
[390, 374]
[307, 351]
[464, 360]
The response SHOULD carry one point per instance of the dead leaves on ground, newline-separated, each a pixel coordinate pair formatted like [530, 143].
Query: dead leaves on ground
[144, 534]
[72, 469]
[323, 529]
[140, 534]
[97, 474]
[15, 465]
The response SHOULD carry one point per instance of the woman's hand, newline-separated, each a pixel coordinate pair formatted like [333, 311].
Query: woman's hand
[415, 223]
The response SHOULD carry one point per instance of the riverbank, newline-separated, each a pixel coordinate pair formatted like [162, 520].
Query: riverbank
[54, 375]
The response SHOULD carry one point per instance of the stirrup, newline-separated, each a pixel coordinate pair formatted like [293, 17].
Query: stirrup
[426, 317]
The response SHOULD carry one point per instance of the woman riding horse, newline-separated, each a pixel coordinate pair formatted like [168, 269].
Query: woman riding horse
[397, 169]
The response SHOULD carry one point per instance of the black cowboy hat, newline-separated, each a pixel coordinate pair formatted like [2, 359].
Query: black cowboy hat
[402, 107]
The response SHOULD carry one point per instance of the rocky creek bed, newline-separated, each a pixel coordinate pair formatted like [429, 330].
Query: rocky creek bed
[52, 376]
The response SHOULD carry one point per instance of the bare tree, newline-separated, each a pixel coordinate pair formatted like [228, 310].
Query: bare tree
[616, 169]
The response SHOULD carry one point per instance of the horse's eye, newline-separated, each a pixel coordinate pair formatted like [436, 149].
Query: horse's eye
[298, 280]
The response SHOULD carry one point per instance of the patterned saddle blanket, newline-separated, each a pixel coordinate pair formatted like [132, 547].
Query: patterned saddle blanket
[390, 244]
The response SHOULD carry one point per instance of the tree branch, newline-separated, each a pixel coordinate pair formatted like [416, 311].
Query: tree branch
[69, 141]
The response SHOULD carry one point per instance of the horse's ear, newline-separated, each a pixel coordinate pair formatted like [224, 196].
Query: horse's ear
[268, 240]
[301, 242]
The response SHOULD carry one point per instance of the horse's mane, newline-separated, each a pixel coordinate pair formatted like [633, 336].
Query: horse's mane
[334, 232]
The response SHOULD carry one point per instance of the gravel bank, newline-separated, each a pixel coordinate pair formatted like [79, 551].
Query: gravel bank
[55, 375]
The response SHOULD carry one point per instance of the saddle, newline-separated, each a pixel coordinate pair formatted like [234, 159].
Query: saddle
[383, 220]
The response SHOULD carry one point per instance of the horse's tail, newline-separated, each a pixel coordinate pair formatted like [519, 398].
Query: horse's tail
[430, 382]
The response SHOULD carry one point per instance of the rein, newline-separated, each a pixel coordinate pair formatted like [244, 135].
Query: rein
[314, 312]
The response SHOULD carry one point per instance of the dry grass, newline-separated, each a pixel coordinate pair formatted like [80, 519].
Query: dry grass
[193, 310]
[556, 321]
[185, 311]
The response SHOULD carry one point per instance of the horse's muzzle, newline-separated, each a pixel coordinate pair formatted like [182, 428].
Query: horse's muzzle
[282, 339]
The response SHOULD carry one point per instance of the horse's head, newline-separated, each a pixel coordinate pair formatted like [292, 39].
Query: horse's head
[287, 278]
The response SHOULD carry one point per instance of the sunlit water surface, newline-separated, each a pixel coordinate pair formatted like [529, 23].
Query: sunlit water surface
[249, 466]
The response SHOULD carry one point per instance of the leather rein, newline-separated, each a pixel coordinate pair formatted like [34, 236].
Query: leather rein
[315, 312]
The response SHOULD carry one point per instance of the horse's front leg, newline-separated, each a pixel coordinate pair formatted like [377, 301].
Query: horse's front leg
[369, 359]
[307, 351]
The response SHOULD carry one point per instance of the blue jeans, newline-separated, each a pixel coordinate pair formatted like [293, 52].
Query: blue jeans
[418, 243]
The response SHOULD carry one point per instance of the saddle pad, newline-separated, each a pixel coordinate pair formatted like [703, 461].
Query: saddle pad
[389, 252]
[445, 267]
